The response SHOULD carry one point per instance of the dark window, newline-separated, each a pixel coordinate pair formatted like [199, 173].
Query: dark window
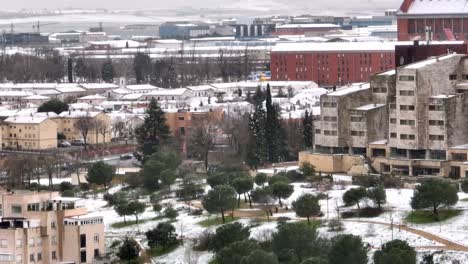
[452, 77]
[181, 118]
[82, 240]
[182, 131]
[83, 256]
[96, 253]
[406, 78]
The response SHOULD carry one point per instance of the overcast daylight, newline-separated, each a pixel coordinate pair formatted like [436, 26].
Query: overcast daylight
[233, 132]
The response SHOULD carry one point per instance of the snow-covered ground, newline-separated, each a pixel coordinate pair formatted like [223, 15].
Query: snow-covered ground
[374, 234]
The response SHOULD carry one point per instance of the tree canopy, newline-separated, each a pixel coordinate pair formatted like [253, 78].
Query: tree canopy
[163, 235]
[347, 249]
[395, 252]
[53, 105]
[354, 196]
[219, 199]
[433, 193]
[306, 205]
[101, 173]
[227, 234]
[160, 169]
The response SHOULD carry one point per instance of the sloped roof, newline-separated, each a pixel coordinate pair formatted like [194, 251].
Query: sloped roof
[422, 7]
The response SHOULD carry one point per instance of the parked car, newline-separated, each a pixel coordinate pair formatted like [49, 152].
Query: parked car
[64, 144]
[78, 142]
[126, 157]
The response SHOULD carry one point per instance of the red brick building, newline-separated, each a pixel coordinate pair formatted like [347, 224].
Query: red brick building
[330, 64]
[447, 19]
[305, 29]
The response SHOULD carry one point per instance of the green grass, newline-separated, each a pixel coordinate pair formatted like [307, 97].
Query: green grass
[133, 222]
[159, 251]
[426, 217]
[313, 223]
[214, 221]
[464, 200]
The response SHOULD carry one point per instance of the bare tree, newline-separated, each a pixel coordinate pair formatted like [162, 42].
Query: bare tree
[102, 128]
[202, 140]
[84, 125]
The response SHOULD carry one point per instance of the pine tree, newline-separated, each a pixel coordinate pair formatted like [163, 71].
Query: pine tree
[142, 67]
[274, 133]
[107, 71]
[70, 70]
[81, 69]
[154, 131]
[256, 149]
[308, 130]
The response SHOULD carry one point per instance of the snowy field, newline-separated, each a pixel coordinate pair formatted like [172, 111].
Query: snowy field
[374, 234]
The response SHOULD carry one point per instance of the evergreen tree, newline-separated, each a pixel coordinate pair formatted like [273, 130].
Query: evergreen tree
[142, 67]
[256, 148]
[70, 70]
[395, 252]
[308, 130]
[53, 105]
[101, 174]
[107, 71]
[274, 133]
[154, 131]
[81, 69]
[129, 250]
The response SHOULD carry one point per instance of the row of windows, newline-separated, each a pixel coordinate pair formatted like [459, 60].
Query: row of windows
[407, 122]
[407, 107]
[406, 93]
[330, 132]
[379, 90]
[436, 108]
[357, 119]
[407, 136]
[412, 137]
[329, 104]
[436, 137]
[357, 133]
[406, 78]
[330, 118]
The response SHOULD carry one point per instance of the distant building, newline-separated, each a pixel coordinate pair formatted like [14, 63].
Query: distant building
[407, 54]
[302, 29]
[331, 64]
[437, 20]
[23, 39]
[254, 30]
[99, 126]
[183, 30]
[33, 132]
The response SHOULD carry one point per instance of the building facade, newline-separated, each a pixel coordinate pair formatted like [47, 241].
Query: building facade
[432, 20]
[29, 133]
[72, 123]
[331, 64]
[46, 228]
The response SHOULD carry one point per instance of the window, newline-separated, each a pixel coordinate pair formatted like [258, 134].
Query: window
[329, 132]
[407, 122]
[39, 241]
[357, 133]
[357, 119]
[407, 137]
[96, 253]
[436, 122]
[181, 118]
[54, 255]
[182, 131]
[52, 224]
[39, 256]
[436, 137]
[379, 90]
[33, 207]
[82, 240]
[317, 131]
[3, 243]
[16, 209]
[392, 120]
[407, 107]
[83, 256]
[53, 240]
[31, 258]
[393, 135]
[96, 238]
[452, 77]
[406, 93]
[406, 78]
[19, 243]
[329, 104]
[330, 118]
[31, 242]
[19, 258]
[435, 108]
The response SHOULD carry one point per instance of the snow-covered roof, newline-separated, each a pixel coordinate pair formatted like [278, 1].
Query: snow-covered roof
[96, 86]
[443, 96]
[137, 87]
[356, 87]
[78, 114]
[25, 119]
[464, 146]
[427, 62]
[69, 89]
[324, 25]
[165, 92]
[369, 107]
[379, 142]
[121, 91]
[93, 97]
[132, 96]
[118, 43]
[200, 87]
[15, 93]
[422, 7]
[37, 97]
[390, 72]
[335, 46]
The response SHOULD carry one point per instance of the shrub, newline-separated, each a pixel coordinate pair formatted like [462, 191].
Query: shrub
[335, 225]
[170, 212]
[464, 186]
[197, 211]
[157, 207]
[295, 176]
[64, 186]
[68, 193]
[204, 241]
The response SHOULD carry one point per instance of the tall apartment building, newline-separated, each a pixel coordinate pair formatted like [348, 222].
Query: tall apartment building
[43, 227]
[411, 121]
[445, 19]
[331, 63]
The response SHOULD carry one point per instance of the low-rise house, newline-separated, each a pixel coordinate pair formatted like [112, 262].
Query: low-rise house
[74, 124]
[95, 99]
[34, 132]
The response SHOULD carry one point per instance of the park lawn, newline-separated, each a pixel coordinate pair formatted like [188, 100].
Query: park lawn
[133, 222]
[313, 223]
[426, 217]
[159, 251]
[214, 221]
